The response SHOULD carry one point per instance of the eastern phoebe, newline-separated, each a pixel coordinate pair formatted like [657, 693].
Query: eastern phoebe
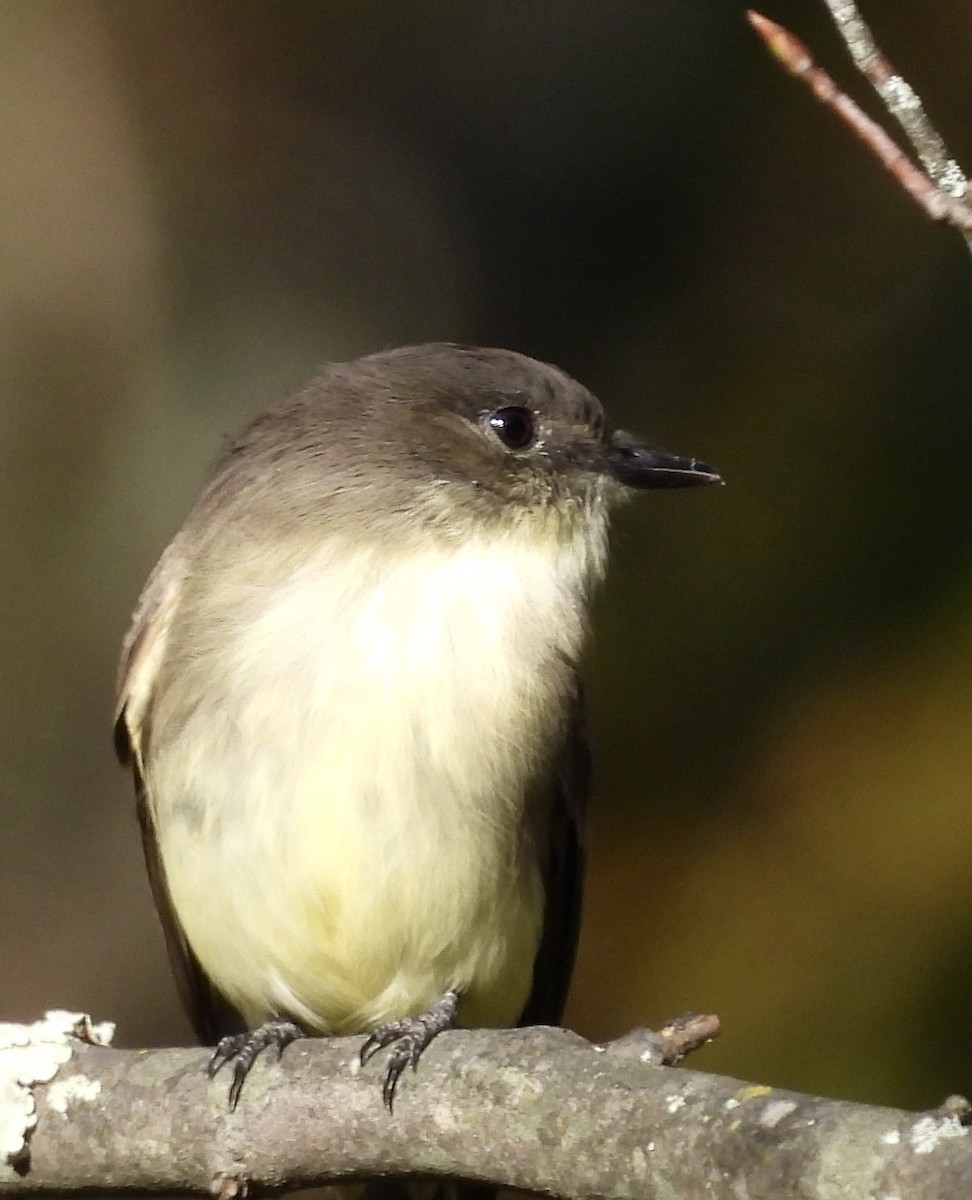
[350, 697]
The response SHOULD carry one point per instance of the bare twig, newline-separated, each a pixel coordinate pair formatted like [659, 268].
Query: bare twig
[900, 99]
[676, 1040]
[941, 189]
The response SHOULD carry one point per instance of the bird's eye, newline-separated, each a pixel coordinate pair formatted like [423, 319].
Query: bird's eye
[513, 426]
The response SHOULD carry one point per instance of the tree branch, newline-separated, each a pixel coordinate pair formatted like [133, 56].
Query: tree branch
[537, 1109]
[942, 187]
[899, 98]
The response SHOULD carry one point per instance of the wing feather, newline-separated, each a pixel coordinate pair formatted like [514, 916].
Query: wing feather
[143, 648]
[564, 876]
[142, 653]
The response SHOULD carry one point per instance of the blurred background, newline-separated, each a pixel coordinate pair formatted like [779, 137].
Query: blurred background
[200, 203]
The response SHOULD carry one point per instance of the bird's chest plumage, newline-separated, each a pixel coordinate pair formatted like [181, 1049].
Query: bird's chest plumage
[365, 772]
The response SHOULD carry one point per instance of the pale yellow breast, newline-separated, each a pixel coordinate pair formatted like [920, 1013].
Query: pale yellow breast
[344, 821]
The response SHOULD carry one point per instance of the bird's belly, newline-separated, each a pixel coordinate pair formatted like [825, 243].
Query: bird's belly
[353, 888]
[350, 806]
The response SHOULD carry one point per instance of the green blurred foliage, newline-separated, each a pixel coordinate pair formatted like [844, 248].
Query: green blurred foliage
[200, 202]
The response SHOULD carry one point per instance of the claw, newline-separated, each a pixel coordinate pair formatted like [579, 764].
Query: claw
[414, 1035]
[243, 1049]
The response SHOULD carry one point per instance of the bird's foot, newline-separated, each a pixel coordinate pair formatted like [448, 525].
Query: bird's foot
[243, 1049]
[413, 1036]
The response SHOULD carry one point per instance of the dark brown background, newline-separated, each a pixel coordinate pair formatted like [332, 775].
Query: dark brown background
[200, 202]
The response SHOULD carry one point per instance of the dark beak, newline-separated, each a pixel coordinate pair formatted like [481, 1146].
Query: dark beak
[638, 466]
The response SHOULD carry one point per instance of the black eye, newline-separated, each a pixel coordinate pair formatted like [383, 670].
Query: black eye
[513, 426]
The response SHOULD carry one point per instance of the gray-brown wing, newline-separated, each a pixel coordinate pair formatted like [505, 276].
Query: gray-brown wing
[564, 876]
[211, 1016]
[142, 652]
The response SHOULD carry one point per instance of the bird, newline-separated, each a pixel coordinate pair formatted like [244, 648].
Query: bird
[350, 696]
